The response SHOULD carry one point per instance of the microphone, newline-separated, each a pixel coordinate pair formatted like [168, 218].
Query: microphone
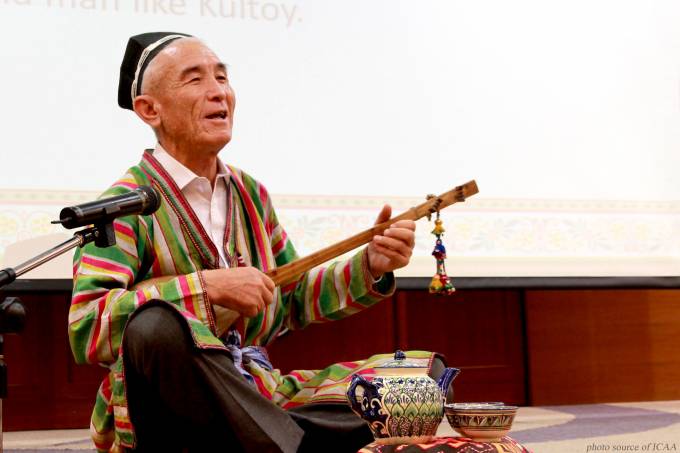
[143, 200]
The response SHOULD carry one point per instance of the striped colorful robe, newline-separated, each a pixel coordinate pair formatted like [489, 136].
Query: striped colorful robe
[173, 242]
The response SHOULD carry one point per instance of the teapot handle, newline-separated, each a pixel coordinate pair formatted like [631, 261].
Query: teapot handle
[357, 381]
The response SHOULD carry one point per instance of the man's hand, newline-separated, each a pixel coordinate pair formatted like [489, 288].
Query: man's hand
[245, 290]
[392, 249]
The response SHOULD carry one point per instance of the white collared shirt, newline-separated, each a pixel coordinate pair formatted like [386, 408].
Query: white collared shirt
[209, 205]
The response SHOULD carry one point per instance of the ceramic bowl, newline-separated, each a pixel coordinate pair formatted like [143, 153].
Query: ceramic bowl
[481, 422]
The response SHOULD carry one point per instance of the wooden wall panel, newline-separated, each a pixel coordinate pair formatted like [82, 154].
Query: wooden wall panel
[579, 346]
[46, 388]
[603, 345]
[363, 334]
[479, 331]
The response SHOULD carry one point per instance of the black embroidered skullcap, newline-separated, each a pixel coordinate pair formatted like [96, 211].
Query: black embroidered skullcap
[140, 50]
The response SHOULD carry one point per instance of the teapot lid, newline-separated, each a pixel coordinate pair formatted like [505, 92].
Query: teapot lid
[400, 361]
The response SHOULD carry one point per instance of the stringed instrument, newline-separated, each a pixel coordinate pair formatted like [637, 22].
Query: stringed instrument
[287, 273]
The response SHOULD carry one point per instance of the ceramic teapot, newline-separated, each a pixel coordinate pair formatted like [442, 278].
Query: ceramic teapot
[401, 401]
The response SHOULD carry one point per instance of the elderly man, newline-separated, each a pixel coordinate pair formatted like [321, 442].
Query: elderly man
[185, 376]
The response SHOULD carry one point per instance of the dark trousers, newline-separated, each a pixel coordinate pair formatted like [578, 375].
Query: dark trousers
[185, 399]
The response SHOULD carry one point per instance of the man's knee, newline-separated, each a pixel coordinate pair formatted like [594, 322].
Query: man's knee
[156, 328]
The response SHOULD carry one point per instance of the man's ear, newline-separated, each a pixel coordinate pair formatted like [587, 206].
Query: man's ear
[146, 108]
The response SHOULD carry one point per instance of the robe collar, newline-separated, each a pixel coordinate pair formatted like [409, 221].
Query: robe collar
[189, 221]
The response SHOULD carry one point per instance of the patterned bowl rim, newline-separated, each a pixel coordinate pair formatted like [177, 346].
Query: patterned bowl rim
[479, 407]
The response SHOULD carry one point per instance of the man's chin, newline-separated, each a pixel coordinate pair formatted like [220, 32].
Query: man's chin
[217, 142]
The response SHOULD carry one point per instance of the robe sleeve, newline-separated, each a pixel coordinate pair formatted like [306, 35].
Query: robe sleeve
[103, 301]
[325, 293]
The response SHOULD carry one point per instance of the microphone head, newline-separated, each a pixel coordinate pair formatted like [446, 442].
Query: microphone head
[143, 200]
[152, 199]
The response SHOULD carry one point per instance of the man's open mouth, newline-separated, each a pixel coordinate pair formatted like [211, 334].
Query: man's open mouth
[222, 114]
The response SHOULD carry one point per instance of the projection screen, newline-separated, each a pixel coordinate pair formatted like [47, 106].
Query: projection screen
[566, 113]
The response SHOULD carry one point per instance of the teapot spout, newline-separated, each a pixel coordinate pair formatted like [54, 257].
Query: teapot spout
[446, 379]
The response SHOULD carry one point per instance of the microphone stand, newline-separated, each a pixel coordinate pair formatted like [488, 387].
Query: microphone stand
[12, 311]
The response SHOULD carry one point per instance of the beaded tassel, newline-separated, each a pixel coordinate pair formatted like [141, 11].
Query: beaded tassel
[440, 283]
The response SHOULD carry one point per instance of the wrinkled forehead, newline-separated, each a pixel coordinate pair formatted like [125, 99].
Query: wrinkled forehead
[186, 53]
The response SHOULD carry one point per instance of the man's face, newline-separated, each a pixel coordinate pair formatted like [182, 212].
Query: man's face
[194, 99]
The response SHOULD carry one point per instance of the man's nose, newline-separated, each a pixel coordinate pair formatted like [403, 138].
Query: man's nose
[217, 91]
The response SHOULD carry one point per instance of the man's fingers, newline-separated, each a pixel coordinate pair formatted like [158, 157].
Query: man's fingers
[253, 311]
[401, 253]
[407, 224]
[267, 295]
[385, 214]
[254, 306]
[268, 289]
[268, 282]
[243, 289]
[391, 254]
[393, 243]
[396, 259]
[401, 234]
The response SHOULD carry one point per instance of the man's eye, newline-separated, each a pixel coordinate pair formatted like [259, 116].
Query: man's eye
[195, 79]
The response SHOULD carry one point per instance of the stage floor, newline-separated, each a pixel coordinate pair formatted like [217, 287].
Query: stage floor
[645, 426]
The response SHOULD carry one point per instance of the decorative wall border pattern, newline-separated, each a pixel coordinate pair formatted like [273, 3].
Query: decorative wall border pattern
[352, 202]
[508, 237]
